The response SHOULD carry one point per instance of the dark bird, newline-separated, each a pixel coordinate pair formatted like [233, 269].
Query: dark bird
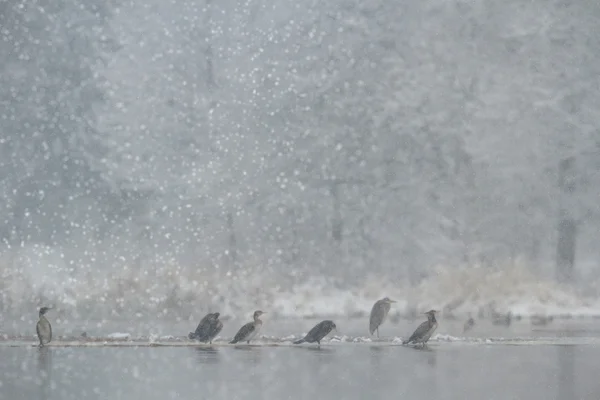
[318, 332]
[425, 330]
[250, 330]
[43, 327]
[379, 312]
[208, 328]
[469, 324]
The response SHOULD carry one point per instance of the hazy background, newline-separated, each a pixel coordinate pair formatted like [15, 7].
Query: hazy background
[178, 156]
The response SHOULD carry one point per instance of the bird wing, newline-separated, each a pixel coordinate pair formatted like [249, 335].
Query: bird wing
[37, 329]
[203, 328]
[374, 318]
[43, 328]
[315, 332]
[244, 332]
[215, 328]
[378, 314]
[419, 332]
[319, 331]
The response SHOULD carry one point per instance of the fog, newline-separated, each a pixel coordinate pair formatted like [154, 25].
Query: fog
[181, 156]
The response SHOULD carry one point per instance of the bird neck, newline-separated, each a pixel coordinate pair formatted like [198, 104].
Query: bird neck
[257, 320]
[431, 318]
[43, 317]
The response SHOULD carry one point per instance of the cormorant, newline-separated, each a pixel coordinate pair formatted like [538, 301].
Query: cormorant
[425, 330]
[469, 324]
[208, 328]
[379, 312]
[318, 332]
[250, 330]
[43, 327]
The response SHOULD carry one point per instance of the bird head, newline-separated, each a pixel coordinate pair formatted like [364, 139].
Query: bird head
[258, 313]
[430, 312]
[388, 300]
[44, 310]
[216, 315]
[333, 326]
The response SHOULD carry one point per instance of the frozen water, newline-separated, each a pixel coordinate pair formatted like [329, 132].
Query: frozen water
[344, 370]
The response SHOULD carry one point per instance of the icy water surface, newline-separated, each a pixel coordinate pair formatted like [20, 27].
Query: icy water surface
[559, 361]
[337, 371]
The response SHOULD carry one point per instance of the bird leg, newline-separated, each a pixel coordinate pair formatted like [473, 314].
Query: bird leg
[377, 332]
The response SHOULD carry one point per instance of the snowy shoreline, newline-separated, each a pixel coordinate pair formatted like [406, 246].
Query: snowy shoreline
[455, 292]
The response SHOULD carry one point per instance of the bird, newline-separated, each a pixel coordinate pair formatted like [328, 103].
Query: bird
[379, 313]
[469, 324]
[208, 328]
[318, 332]
[250, 330]
[425, 330]
[43, 327]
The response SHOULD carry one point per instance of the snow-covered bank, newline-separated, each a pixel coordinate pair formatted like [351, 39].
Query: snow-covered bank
[273, 341]
[174, 291]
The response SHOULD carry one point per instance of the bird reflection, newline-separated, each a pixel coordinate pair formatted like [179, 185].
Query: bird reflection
[566, 372]
[375, 353]
[44, 365]
[432, 358]
[377, 349]
[253, 353]
[320, 350]
[431, 354]
[207, 355]
[425, 348]
[249, 348]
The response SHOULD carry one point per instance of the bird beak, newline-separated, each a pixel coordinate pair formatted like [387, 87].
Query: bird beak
[393, 301]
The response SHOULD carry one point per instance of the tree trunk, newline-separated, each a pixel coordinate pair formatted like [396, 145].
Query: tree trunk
[567, 225]
[232, 240]
[336, 223]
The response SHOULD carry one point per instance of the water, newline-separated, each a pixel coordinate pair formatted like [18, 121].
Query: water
[344, 371]
[517, 363]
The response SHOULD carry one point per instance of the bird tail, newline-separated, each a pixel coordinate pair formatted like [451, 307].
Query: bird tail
[299, 341]
[233, 341]
[405, 341]
[192, 335]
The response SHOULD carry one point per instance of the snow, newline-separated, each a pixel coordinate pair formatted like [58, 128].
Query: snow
[119, 336]
[455, 291]
[450, 290]
[165, 159]
[441, 339]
